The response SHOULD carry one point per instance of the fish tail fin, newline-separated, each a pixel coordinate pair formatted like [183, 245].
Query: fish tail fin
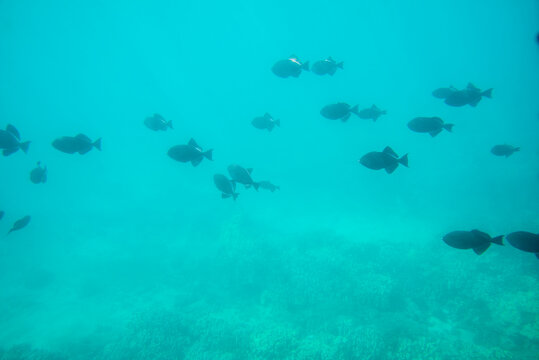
[24, 146]
[278, 188]
[208, 154]
[404, 160]
[355, 109]
[487, 93]
[497, 240]
[340, 65]
[169, 124]
[448, 127]
[481, 248]
[97, 144]
[305, 66]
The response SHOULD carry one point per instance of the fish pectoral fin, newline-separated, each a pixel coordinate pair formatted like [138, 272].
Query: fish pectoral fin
[482, 248]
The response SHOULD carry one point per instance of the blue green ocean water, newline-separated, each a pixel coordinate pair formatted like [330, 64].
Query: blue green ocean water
[132, 255]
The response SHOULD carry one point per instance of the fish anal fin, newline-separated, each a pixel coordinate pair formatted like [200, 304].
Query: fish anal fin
[481, 248]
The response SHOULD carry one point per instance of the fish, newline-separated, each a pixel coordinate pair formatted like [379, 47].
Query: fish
[268, 186]
[371, 113]
[469, 96]
[190, 153]
[326, 66]
[226, 186]
[39, 174]
[339, 111]
[387, 159]
[76, 144]
[10, 141]
[525, 241]
[432, 125]
[477, 240]
[19, 224]
[265, 122]
[289, 67]
[242, 176]
[1, 214]
[442, 93]
[157, 122]
[504, 150]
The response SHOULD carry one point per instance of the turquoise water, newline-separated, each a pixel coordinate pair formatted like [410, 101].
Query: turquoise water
[132, 255]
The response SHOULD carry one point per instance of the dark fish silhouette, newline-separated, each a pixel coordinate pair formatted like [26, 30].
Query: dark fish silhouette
[442, 93]
[387, 159]
[1, 214]
[339, 111]
[10, 141]
[39, 174]
[76, 144]
[242, 176]
[504, 150]
[268, 186]
[19, 224]
[475, 239]
[189, 153]
[431, 125]
[525, 241]
[326, 66]
[289, 67]
[265, 122]
[157, 122]
[227, 187]
[469, 96]
[371, 113]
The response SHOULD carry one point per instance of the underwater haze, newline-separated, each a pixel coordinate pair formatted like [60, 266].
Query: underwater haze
[130, 254]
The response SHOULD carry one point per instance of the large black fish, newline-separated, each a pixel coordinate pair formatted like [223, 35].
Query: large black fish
[387, 159]
[504, 150]
[10, 141]
[469, 96]
[265, 122]
[39, 174]
[475, 239]
[19, 224]
[227, 187]
[326, 66]
[371, 113]
[242, 176]
[289, 67]
[339, 111]
[76, 144]
[442, 93]
[431, 125]
[157, 122]
[189, 153]
[525, 241]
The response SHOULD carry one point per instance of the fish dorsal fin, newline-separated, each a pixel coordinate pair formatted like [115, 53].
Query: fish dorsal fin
[389, 151]
[293, 57]
[374, 107]
[481, 234]
[330, 59]
[249, 170]
[83, 138]
[192, 142]
[267, 116]
[157, 116]
[471, 87]
[13, 131]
